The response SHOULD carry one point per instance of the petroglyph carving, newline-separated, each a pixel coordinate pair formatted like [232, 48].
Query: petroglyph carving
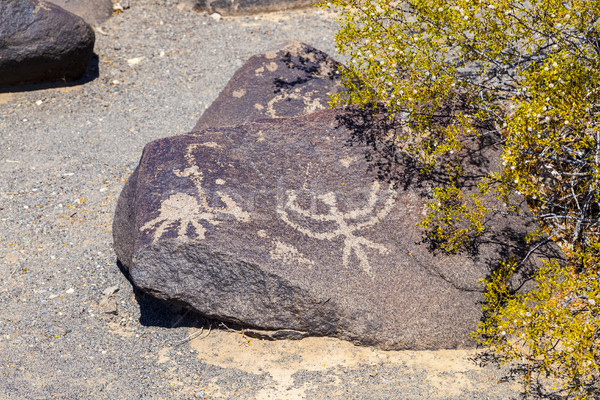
[187, 210]
[310, 104]
[346, 225]
[346, 162]
[288, 254]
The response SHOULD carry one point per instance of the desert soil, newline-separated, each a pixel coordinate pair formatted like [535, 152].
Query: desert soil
[65, 152]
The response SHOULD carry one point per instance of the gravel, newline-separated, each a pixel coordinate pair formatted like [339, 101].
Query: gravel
[65, 153]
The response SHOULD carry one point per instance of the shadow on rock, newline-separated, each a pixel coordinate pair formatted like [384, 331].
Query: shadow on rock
[309, 66]
[169, 314]
[91, 73]
[161, 313]
[385, 142]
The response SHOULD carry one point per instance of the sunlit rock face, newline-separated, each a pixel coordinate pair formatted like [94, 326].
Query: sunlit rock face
[293, 80]
[296, 224]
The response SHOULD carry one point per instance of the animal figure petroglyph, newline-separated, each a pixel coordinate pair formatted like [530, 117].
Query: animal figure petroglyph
[189, 210]
[345, 227]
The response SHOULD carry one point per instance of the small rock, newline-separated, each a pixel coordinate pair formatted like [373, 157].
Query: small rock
[109, 306]
[216, 16]
[135, 61]
[69, 291]
[109, 291]
[123, 3]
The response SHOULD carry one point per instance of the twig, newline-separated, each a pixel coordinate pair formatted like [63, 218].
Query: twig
[181, 318]
[193, 336]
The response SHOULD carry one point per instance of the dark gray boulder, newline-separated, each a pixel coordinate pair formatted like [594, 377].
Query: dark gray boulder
[94, 12]
[293, 80]
[39, 41]
[296, 224]
[245, 7]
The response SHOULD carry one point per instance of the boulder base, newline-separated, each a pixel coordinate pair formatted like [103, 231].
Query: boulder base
[288, 224]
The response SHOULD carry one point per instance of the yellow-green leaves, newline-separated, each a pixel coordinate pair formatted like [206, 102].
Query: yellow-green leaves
[553, 328]
[527, 74]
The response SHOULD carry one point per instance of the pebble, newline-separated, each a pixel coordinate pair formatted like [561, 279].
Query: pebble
[109, 306]
[216, 16]
[109, 291]
[135, 60]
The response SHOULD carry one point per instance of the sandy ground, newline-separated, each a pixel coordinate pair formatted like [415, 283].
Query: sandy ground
[65, 153]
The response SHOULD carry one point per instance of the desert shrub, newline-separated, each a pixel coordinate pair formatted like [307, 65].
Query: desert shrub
[525, 74]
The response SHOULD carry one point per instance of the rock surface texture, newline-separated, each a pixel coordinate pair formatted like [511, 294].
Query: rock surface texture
[290, 224]
[245, 7]
[294, 80]
[40, 41]
[94, 12]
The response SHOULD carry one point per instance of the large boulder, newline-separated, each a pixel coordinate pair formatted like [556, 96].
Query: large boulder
[40, 41]
[245, 7]
[293, 80]
[294, 224]
[94, 12]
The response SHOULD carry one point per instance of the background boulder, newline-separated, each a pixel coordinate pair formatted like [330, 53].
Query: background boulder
[40, 41]
[244, 7]
[94, 12]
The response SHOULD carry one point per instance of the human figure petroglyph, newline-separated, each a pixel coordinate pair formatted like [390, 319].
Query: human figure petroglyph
[189, 210]
[343, 221]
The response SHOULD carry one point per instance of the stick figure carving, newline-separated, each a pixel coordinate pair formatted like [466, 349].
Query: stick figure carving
[345, 227]
[188, 210]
